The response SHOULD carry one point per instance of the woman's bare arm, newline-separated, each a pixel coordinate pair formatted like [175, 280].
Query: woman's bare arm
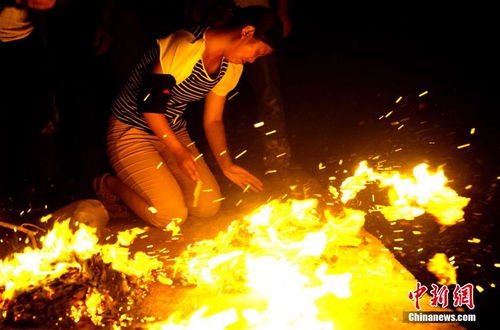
[159, 123]
[161, 128]
[214, 128]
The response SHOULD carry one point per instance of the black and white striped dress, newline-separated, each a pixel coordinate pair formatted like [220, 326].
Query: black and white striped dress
[194, 88]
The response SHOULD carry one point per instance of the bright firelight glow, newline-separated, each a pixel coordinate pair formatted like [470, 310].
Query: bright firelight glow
[278, 262]
[410, 196]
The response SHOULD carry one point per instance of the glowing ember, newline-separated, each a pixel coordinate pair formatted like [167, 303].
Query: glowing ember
[440, 266]
[94, 306]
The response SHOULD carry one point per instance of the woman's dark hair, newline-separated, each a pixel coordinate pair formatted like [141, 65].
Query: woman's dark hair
[267, 24]
[225, 14]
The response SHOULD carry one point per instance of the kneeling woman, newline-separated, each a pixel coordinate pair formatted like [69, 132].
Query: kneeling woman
[159, 171]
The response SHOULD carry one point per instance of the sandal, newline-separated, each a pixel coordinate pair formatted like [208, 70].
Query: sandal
[112, 203]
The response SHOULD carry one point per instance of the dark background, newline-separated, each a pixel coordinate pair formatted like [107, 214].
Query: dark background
[346, 65]
[343, 67]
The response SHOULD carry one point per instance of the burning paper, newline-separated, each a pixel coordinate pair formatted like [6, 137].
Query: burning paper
[72, 276]
[273, 258]
[409, 196]
[268, 270]
[440, 266]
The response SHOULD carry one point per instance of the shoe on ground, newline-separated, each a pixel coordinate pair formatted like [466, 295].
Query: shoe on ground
[116, 209]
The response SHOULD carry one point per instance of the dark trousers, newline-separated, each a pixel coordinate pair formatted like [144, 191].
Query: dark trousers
[263, 75]
[26, 107]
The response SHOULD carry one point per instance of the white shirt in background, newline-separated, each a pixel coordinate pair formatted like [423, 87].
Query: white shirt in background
[14, 24]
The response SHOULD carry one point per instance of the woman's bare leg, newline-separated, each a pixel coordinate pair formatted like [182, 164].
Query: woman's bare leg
[143, 181]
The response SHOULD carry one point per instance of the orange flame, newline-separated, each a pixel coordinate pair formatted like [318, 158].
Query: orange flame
[440, 266]
[410, 197]
[62, 249]
[273, 255]
[277, 254]
[277, 257]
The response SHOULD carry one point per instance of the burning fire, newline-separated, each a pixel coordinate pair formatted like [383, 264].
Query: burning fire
[279, 256]
[267, 270]
[64, 250]
[410, 197]
[276, 257]
[440, 266]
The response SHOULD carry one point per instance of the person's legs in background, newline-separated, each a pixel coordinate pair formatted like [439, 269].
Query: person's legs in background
[82, 69]
[284, 172]
[264, 78]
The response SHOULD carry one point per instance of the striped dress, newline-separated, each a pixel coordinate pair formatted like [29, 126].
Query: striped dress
[193, 88]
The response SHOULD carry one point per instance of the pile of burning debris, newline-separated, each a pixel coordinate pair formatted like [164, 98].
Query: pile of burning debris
[73, 278]
[280, 260]
[94, 291]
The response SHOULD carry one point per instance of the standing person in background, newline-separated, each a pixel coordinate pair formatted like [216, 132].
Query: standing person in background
[27, 109]
[137, 24]
[79, 39]
[264, 78]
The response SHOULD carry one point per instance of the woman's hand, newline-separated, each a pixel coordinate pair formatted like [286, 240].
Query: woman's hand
[184, 157]
[186, 162]
[242, 177]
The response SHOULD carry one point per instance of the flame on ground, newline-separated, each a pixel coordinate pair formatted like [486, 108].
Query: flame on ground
[276, 257]
[409, 196]
[63, 250]
[279, 259]
[279, 255]
[440, 266]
